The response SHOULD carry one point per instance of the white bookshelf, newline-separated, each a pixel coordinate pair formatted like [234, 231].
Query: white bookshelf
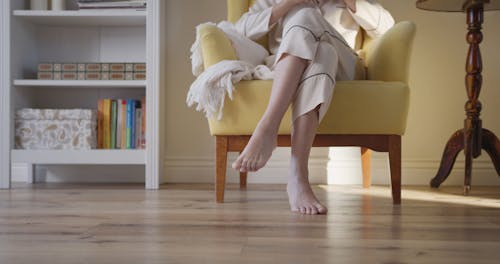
[29, 37]
[96, 157]
[80, 83]
[84, 17]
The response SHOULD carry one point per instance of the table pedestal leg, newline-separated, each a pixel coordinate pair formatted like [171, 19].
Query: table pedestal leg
[472, 138]
[453, 147]
[490, 144]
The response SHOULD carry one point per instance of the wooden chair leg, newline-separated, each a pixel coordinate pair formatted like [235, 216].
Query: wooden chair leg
[220, 168]
[243, 179]
[395, 167]
[366, 156]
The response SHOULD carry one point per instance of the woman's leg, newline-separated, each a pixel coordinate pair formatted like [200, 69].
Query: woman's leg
[288, 72]
[300, 194]
[306, 72]
[311, 102]
[292, 61]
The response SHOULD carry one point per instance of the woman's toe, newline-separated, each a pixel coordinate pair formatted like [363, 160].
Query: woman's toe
[321, 209]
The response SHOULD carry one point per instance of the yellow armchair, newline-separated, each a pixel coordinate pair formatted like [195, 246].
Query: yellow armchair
[370, 113]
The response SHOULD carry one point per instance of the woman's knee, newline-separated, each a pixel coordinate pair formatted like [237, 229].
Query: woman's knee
[304, 15]
[326, 50]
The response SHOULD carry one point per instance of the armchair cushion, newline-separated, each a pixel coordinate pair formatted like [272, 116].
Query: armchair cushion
[358, 107]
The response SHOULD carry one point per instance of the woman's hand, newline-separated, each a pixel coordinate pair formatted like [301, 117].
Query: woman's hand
[351, 4]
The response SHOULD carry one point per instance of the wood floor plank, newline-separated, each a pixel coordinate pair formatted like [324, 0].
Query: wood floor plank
[63, 223]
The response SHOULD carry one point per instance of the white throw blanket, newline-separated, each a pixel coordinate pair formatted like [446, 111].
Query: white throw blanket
[210, 88]
[212, 84]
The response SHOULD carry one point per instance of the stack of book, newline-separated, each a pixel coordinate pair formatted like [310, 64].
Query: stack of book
[110, 4]
[121, 124]
[92, 71]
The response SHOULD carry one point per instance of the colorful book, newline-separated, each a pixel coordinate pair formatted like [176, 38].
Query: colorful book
[138, 128]
[143, 127]
[118, 123]
[130, 117]
[100, 105]
[113, 124]
[135, 105]
[123, 127]
[106, 124]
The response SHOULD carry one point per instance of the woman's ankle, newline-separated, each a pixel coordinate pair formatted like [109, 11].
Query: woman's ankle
[269, 127]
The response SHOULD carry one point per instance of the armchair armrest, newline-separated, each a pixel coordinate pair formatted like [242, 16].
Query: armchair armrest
[215, 46]
[388, 57]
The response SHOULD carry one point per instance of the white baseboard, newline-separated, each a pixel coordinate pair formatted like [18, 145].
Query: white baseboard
[81, 173]
[322, 170]
[19, 172]
[343, 168]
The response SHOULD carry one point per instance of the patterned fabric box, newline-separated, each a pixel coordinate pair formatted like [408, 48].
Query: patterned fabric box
[68, 129]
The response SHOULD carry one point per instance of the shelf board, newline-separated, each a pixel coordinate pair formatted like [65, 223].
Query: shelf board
[82, 83]
[111, 17]
[100, 156]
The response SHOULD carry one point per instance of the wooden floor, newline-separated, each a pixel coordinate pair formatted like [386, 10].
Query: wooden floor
[181, 224]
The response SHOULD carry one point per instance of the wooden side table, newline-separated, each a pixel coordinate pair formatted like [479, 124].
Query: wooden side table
[473, 137]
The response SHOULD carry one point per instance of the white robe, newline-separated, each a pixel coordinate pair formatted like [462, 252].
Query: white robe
[370, 16]
[324, 35]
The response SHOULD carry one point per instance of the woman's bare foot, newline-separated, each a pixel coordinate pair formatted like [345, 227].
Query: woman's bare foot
[257, 152]
[302, 198]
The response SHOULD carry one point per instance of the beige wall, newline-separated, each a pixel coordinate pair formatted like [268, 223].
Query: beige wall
[437, 99]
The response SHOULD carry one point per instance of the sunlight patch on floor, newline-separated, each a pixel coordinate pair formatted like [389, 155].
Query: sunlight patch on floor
[450, 195]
